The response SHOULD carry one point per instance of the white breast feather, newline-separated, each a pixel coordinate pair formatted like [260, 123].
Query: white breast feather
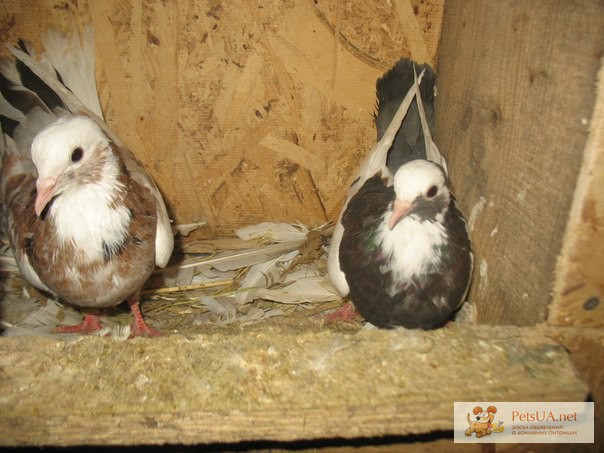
[409, 247]
[87, 218]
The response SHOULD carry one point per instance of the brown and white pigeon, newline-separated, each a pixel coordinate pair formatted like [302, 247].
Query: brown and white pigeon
[85, 220]
[400, 248]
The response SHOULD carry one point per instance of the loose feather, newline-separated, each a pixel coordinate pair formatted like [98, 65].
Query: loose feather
[273, 232]
[297, 289]
[42, 320]
[262, 275]
[226, 312]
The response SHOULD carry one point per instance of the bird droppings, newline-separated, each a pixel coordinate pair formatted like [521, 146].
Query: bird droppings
[323, 358]
[521, 195]
[141, 381]
[483, 271]
[411, 339]
[475, 211]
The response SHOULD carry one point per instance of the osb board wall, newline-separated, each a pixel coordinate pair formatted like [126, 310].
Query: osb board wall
[244, 111]
[579, 290]
[516, 96]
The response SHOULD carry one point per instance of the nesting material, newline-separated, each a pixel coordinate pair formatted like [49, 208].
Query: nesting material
[274, 269]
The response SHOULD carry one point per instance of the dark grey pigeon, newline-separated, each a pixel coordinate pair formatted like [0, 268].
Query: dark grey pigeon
[400, 248]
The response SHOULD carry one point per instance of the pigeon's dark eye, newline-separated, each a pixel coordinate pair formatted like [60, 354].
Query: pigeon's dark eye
[77, 154]
[432, 191]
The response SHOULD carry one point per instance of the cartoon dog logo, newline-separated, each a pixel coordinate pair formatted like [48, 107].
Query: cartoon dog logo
[483, 422]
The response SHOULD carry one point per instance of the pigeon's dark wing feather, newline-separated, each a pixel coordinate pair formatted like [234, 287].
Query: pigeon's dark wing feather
[368, 206]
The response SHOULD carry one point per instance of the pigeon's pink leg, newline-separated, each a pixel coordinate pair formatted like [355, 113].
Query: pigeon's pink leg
[140, 327]
[90, 324]
[346, 312]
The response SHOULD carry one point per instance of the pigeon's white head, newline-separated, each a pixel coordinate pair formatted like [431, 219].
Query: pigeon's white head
[421, 190]
[70, 153]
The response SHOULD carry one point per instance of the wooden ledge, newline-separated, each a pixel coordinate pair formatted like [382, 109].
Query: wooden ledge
[269, 384]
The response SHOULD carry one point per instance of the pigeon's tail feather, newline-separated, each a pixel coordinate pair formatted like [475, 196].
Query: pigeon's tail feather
[413, 140]
[28, 79]
[16, 99]
[8, 124]
[73, 59]
[64, 75]
[36, 91]
[26, 103]
[392, 87]
[23, 113]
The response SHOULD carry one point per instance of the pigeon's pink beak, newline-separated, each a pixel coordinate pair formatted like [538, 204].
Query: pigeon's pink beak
[401, 209]
[46, 188]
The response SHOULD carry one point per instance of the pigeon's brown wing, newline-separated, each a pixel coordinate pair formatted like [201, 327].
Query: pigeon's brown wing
[164, 239]
[19, 190]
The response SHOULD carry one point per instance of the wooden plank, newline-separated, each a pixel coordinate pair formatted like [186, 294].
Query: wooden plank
[268, 383]
[516, 94]
[586, 348]
[198, 88]
[578, 297]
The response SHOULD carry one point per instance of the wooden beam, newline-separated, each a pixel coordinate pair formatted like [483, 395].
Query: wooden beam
[268, 383]
[578, 296]
[586, 348]
[516, 94]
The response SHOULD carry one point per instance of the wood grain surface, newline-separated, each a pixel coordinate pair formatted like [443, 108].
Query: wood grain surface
[517, 84]
[243, 111]
[269, 384]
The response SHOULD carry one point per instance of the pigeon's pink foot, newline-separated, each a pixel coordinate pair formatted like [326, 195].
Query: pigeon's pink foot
[345, 312]
[140, 328]
[90, 324]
